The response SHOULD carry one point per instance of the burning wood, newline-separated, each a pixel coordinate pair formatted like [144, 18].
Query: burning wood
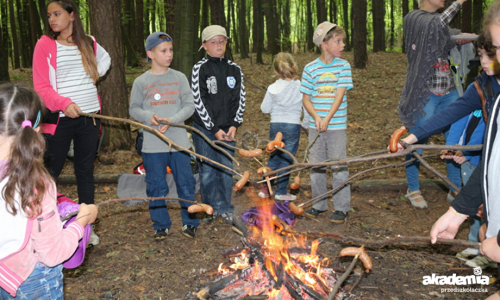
[272, 266]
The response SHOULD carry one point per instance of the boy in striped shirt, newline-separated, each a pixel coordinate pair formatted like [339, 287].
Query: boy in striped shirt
[324, 84]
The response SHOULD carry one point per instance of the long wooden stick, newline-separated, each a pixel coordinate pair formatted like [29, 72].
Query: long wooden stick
[161, 136]
[343, 278]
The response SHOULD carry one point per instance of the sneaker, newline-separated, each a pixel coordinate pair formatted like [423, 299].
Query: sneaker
[481, 261]
[228, 217]
[465, 254]
[208, 219]
[313, 212]
[338, 216]
[189, 231]
[94, 239]
[161, 233]
[285, 197]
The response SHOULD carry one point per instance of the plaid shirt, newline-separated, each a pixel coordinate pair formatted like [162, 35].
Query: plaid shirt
[442, 81]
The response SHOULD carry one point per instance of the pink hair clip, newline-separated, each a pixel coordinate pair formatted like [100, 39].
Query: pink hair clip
[26, 123]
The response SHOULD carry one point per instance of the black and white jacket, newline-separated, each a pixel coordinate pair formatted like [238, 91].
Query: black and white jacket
[219, 93]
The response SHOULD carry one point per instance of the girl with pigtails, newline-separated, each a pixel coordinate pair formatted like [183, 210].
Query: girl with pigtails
[67, 63]
[33, 243]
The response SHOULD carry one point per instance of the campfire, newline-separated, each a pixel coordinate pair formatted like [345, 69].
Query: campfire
[273, 263]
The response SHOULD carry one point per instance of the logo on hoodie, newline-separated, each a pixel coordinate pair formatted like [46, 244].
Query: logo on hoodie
[231, 82]
[212, 85]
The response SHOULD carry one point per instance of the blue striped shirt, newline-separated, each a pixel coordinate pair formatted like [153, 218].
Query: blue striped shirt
[321, 82]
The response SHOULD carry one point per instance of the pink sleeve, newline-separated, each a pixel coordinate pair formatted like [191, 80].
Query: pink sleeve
[41, 77]
[52, 243]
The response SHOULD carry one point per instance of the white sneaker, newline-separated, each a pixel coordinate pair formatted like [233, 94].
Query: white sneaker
[285, 197]
[94, 239]
[481, 261]
[465, 254]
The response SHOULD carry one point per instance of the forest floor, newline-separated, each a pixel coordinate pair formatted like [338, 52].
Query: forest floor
[129, 264]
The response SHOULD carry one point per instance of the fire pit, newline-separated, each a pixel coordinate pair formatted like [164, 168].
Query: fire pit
[272, 266]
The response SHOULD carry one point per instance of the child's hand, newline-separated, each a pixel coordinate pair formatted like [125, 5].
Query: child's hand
[72, 111]
[317, 122]
[324, 124]
[230, 134]
[164, 128]
[87, 213]
[447, 154]
[154, 120]
[220, 135]
[459, 157]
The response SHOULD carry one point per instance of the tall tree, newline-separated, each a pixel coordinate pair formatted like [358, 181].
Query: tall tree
[185, 11]
[378, 12]
[286, 25]
[333, 11]
[405, 12]
[42, 5]
[467, 16]
[345, 6]
[242, 28]
[129, 33]
[391, 42]
[272, 29]
[153, 15]
[169, 9]
[258, 30]
[15, 39]
[234, 34]
[359, 33]
[309, 26]
[477, 15]
[139, 25]
[147, 24]
[4, 39]
[197, 55]
[36, 28]
[320, 11]
[26, 42]
[105, 26]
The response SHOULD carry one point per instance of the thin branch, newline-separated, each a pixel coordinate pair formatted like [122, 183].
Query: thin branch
[343, 278]
[253, 84]
[436, 172]
[287, 153]
[161, 136]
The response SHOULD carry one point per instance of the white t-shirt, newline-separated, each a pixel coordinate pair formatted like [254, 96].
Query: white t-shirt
[72, 80]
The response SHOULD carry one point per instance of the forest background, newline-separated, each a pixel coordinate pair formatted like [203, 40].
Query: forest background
[256, 27]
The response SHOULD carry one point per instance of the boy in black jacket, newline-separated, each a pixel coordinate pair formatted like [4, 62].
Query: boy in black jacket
[219, 97]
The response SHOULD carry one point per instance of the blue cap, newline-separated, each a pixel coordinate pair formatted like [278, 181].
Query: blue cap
[154, 40]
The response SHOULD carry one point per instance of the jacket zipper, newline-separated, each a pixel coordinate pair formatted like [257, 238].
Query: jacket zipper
[42, 218]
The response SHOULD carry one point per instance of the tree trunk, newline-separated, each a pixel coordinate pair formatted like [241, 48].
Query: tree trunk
[139, 26]
[218, 18]
[309, 26]
[43, 13]
[258, 30]
[153, 15]
[345, 6]
[186, 40]
[359, 34]
[477, 15]
[272, 29]
[234, 36]
[170, 16]
[378, 10]
[36, 29]
[197, 55]
[467, 16]
[391, 43]
[147, 10]
[287, 42]
[405, 12]
[26, 42]
[242, 28]
[4, 43]
[15, 39]
[105, 26]
[333, 11]
[129, 34]
[321, 11]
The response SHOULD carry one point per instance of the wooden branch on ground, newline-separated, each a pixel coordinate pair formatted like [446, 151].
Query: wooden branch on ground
[161, 136]
[397, 241]
[343, 278]
[254, 85]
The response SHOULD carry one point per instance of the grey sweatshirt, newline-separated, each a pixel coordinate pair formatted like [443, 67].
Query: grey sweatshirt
[283, 101]
[168, 96]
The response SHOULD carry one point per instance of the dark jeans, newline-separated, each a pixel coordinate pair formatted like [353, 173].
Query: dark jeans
[156, 173]
[85, 136]
[216, 184]
[291, 137]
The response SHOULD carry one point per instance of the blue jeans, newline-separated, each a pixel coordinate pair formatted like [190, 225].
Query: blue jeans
[291, 137]
[156, 172]
[44, 283]
[475, 222]
[435, 105]
[216, 184]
